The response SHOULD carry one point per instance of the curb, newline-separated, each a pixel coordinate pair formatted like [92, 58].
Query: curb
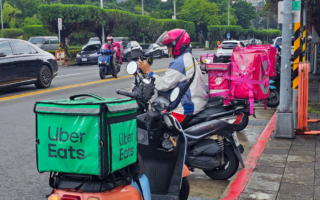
[236, 187]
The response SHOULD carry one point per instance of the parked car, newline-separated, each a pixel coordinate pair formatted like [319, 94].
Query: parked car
[22, 63]
[278, 41]
[226, 48]
[88, 54]
[190, 48]
[124, 40]
[93, 40]
[165, 50]
[152, 50]
[45, 42]
[131, 51]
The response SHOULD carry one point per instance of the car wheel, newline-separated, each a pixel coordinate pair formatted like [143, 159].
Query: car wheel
[44, 77]
[129, 58]
[160, 55]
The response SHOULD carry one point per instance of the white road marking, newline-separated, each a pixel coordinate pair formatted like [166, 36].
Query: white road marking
[68, 75]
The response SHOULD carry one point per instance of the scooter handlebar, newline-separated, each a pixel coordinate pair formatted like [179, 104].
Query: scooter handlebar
[128, 94]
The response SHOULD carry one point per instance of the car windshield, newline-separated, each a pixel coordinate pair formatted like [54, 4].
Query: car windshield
[229, 45]
[279, 42]
[36, 40]
[128, 45]
[90, 48]
[145, 46]
[94, 40]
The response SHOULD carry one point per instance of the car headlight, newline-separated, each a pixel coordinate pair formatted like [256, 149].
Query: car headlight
[78, 55]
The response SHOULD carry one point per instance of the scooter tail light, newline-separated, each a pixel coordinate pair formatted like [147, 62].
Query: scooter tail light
[70, 197]
[93, 198]
[239, 118]
[53, 197]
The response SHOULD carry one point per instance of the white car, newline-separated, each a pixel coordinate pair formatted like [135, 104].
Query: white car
[278, 41]
[225, 49]
[164, 50]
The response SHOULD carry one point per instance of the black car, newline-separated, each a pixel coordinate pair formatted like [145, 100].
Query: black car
[152, 50]
[89, 54]
[131, 51]
[22, 63]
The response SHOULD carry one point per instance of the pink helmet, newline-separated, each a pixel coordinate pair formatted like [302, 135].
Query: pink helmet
[110, 38]
[179, 39]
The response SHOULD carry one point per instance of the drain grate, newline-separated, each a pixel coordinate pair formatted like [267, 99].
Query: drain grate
[258, 122]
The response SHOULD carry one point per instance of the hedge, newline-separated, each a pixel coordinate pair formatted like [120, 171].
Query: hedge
[216, 33]
[35, 30]
[13, 33]
[116, 22]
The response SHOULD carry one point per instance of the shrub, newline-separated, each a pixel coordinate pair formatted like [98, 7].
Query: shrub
[35, 30]
[13, 33]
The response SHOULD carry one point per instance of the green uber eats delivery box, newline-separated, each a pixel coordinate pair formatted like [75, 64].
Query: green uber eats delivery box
[81, 135]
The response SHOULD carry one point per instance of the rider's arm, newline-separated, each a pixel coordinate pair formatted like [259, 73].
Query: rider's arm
[170, 79]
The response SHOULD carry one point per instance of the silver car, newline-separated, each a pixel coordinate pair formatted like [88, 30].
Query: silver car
[45, 42]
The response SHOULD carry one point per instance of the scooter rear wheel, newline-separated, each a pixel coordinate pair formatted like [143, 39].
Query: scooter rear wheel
[185, 189]
[243, 124]
[273, 99]
[228, 169]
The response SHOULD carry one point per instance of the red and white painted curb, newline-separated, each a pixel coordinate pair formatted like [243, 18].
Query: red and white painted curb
[250, 162]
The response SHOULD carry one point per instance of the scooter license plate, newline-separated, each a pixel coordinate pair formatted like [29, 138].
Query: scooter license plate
[84, 59]
[235, 138]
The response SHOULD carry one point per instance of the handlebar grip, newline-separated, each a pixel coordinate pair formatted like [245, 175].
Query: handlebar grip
[124, 93]
[167, 121]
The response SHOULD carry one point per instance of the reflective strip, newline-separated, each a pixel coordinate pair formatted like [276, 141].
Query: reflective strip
[67, 110]
[122, 107]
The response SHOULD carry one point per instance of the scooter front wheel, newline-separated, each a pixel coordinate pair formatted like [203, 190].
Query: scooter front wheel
[228, 169]
[102, 73]
[273, 98]
[185, 189]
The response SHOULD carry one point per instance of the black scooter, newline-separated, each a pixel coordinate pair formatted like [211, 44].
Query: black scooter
[218, 158]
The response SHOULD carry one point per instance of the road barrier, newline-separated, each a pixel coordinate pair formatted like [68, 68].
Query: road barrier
[303, 102]
[61, 53]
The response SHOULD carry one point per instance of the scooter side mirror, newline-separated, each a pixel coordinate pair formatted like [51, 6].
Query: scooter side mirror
[132, 67]
[174, 94]
[206, 61]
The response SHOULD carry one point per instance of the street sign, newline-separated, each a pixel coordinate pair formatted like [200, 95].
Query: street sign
[228, 35]
[296, 7]
[59, 24]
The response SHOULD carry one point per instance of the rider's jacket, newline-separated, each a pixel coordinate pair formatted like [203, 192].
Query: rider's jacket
[179, 72]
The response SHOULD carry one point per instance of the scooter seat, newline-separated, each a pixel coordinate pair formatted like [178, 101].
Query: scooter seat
[202, 116]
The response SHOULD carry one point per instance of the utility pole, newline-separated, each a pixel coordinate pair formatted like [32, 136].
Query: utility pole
[103, 37]
[143, 14]
[174, 9]
[284, 121]
[1, 19]
[268, 30]
[228, 12]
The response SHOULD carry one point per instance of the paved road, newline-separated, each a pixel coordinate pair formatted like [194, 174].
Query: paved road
[19, 178]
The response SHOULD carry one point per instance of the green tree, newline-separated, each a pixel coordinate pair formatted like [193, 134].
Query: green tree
[10, 15]
[245, 12]
[31, 21]
[223, 13]
[201, 16]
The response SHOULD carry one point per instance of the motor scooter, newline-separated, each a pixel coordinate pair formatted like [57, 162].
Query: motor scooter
[218, 158]
[165, 169]
[104, 62]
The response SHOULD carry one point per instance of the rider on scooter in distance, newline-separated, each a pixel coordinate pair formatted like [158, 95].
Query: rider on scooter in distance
[180, 71]
[116, 56]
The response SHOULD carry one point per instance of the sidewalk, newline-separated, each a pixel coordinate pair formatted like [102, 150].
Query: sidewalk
[288, 169]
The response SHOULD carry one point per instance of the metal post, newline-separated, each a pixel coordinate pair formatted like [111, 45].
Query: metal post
[59, 47]
[284, 121]
[315, 58]
[1, 19]
[142, 8]
[102, 37]
[174, 9]
[268, 30]
[304, 49]
[228, 11]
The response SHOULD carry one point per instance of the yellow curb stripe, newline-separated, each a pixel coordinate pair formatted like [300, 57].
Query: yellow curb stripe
[65, 87]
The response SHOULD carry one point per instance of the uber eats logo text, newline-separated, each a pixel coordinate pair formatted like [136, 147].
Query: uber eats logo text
[63, 136]
[125, 139]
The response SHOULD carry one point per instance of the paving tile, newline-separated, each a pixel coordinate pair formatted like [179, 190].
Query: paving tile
[276, 151]
[316, 180]
[265, 195]
[316, 197]
[298, 176]
[303, 148]
[273, 160]
[317, 165]
[289, 196]
[316, 190]
[269, 169]
[292, 158]
[302, 153]
[295, 190]
[300, 165]
[262, 181]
